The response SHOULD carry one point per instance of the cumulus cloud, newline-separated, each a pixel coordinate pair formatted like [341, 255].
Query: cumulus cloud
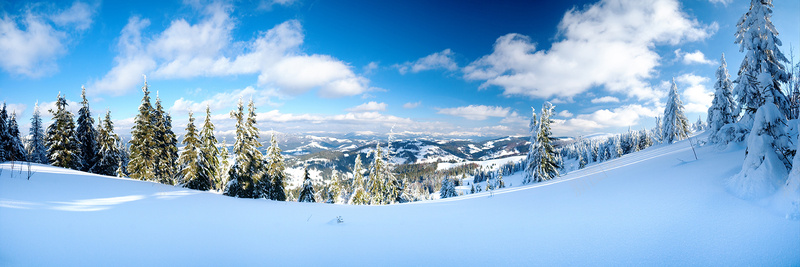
[438, 60]
[696, 97]
[411, 105]
[31, 43]
[207, 48]
[723, 2]
[369, 106]
[221, 101]
[476, 112]
[565, 114]
[605, 99]
[618, 117]
[610, 44]
[695, 57]
[17, 108]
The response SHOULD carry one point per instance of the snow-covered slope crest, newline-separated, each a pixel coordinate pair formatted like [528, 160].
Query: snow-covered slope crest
[659, 206]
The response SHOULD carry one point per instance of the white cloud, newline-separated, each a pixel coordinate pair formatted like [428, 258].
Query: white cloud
[411, 105]
[605, 99]
[695, 57]
[369, 106]
[565, 113]
[369, 68]
[438, 60]
[206, 48]
[515, 119]
[619, 117]
[696, 97]
[473, 112]
[268, 4]
[723, 2]
[222, 101]
[79, 16]
[30, 45]
[610, 44]
[19, 109]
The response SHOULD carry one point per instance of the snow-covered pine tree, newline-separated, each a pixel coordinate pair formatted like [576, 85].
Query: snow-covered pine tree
[307, 194]
[143, 146]
[5, 138]
[63, 147]
[275, 179]
[86, 134]
[758, 38]
[193, 172]
[124, 158]
[448, 189]
[376, 182]
[165, 143]
[108, 154]
[15, 149]
[224, 167]
[247, 168]
[721, 111]
[675, 125]
[541, 162]
[645, 140]
[209, 150]
[534, 156]
[360, 195]
[37, 152]
[766, 162]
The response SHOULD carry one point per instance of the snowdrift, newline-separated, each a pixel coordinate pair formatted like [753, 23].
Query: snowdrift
[659, 206]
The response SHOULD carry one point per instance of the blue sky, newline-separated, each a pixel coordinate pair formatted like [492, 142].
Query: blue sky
[437, 68]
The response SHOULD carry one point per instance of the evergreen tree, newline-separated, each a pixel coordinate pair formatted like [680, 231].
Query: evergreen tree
[360, 195]
[276, 172]
[224, 167]
[307, 194]
[62, 144]
[165, 143]
[86, 134]
[758, 38]
[675, 125]
[247, 168]
[541, 162]
[15, 150]
[124, 158]
[37, 152]
[5, 138]
[721, 111]
[448, 189]
[193, 172]
[143, 145]
[208, 150]
[108, 154]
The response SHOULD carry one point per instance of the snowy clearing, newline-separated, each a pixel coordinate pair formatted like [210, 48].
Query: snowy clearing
[654, 207]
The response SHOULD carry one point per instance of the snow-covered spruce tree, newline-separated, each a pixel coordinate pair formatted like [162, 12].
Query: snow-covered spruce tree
[758, 38]
[307, 194]
[645, 140]
[15, 149]
[124, 158]
[767, 158]
[143, 146]
[86, 134]
[247, 168]
[223, 168]
[208, 150]
[360, 195]
[721, 111]
[63, 148]
[791, 190]
[165, 143]
[275, 179]
[541, 162]
[675, 126]
[37, 152]
[382, 183]
[5, 138]
[108, 154]
[448, 189]
[194, 171]
[658, 131]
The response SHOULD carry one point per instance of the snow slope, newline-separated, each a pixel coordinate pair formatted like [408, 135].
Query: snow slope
[654, 207]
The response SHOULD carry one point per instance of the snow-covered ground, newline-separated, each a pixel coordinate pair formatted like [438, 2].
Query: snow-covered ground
[654, 207]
